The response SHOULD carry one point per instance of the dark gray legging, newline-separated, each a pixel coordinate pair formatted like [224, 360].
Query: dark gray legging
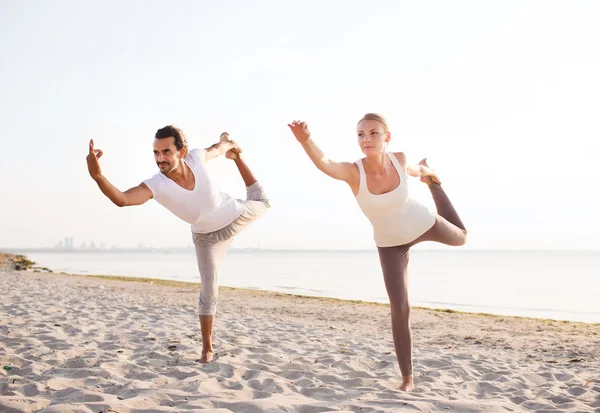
[447, 229]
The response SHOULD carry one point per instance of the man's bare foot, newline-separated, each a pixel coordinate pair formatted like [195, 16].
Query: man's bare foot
[429, 179]
[207, 357]
[407, 383]
[231, 154]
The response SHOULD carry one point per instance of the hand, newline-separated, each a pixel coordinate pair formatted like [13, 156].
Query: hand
[233, 153]
[92, 161]
[236, 147]
[428, 175]
[300, 130]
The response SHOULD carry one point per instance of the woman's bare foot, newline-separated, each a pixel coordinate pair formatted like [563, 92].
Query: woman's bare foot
[429, 179]
[207, 357]
[407, 383]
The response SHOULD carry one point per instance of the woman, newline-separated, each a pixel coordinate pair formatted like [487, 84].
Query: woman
[379, 183]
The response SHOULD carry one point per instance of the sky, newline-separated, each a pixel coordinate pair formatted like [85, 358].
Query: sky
[502, 97]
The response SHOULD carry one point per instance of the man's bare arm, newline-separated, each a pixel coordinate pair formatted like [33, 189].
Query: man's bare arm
[133, 196]
[220, 148]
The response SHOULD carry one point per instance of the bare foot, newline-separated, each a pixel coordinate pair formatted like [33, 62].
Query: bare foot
[207, 357]
[231, 154]
[429, 180]
[407, 383]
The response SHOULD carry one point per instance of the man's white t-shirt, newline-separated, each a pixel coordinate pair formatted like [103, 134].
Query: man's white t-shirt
[205, 207]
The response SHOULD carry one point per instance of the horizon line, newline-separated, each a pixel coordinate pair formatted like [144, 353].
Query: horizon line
[259, 249]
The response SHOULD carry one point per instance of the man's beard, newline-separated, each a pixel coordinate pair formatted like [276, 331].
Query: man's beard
[164, 171]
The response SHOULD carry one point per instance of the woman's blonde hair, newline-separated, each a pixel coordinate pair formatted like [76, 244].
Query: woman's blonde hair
[375, 117]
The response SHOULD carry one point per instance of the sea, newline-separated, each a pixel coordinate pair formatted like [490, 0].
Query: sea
[559, 285]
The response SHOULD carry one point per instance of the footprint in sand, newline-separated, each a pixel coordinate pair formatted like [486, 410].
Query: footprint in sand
[261, 395]
[267, 385]
[251, 374]
[577, 391]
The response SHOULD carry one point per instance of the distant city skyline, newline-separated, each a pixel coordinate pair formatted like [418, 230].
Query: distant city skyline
[71, 246]
[68, 244]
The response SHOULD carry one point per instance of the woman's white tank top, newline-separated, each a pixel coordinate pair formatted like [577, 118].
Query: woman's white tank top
[397, 219]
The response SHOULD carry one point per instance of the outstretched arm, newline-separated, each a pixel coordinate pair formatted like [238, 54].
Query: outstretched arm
[220, 148]
[343, 171]
[133, 196]
[420, 170]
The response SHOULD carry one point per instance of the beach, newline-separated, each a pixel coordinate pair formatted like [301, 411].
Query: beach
[73, 343]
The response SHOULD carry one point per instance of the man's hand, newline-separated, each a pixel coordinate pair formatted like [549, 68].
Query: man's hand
[224, 146]
[235, 150]
[233, 153]
[133, 196]
[92, 162]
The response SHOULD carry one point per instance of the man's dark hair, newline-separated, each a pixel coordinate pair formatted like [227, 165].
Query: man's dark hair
[176, 133]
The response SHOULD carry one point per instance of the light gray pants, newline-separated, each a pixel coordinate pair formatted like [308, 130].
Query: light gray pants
[211, 247]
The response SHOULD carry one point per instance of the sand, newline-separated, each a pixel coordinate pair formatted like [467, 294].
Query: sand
[84, 344]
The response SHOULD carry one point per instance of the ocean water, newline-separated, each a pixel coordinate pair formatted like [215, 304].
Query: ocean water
[554, 285]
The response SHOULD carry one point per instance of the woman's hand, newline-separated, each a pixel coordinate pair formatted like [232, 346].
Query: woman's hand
[300, 130]
[427, 174]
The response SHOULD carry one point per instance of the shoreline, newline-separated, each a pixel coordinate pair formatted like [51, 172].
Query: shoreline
[196, 285]
[326, 300]
[79, 343]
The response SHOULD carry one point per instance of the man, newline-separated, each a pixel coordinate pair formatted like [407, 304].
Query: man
[184, 187]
